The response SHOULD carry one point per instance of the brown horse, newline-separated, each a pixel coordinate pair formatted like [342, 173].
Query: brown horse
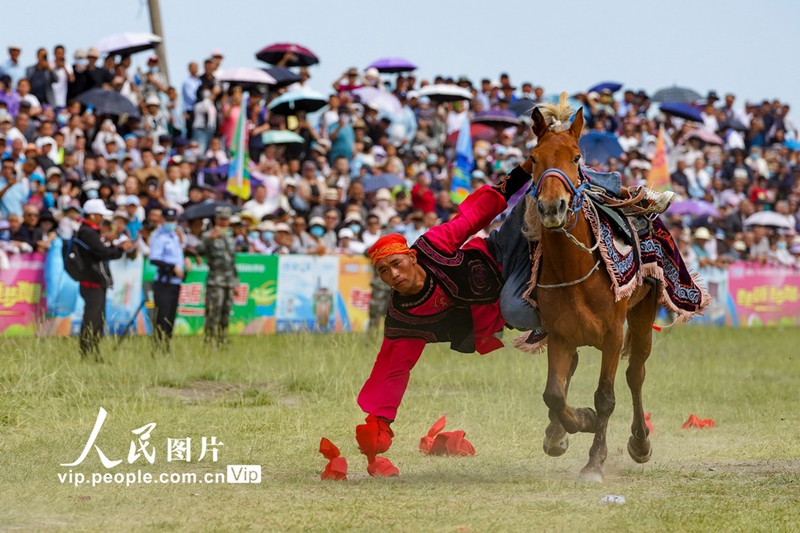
[577, 305]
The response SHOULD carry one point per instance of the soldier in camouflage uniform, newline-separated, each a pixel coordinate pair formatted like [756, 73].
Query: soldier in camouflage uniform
[219, 249]
[378, 303]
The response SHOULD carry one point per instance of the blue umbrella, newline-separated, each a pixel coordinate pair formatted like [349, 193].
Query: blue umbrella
[382, 181]
[682, 110]
[293, 101]
[599, 146]
[610, 85]
[791, 144]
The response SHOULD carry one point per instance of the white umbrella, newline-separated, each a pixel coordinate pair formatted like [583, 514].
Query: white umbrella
[446, 93]
[245, 75]
[768, 218]
[128, 43]
[380, 100]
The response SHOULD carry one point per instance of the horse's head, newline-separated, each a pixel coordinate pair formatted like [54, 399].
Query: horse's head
[556, 160]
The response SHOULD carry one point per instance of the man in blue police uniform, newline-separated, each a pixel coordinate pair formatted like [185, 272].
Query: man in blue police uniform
[166, 254]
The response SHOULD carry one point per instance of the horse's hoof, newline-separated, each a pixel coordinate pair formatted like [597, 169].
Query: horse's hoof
[591, 475]
[636, 455]
[557, 448]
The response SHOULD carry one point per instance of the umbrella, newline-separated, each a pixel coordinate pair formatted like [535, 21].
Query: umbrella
[219, 170]
[705, 136]
[599, 146]
[610, 85]
[382, 181]
[107, 102]
[128, 43]
[791, 144]
[573, 103]
[206, 210]
[283, 76]
[682, 110]
[522, 107]
[733, 124]
[478, 132]
[380, 100]
[445, 93]
[391, 65]
[768, 218]
[280, 137]
[291, 102]
[245, 75]
[693, 208]
[676, 94]
[497, 118]
[273, 54]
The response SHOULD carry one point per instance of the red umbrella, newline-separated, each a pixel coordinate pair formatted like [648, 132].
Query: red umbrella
[273, 54]
[478, 132]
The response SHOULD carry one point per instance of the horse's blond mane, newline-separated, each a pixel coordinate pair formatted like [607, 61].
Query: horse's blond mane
[557, 116]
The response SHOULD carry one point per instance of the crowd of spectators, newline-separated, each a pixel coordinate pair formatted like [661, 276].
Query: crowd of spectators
[310, 197]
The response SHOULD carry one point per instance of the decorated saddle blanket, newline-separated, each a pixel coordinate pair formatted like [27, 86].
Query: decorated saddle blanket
[629, 256]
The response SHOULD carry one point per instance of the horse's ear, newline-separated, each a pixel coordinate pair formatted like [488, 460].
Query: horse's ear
[577, 125]
[539, 125]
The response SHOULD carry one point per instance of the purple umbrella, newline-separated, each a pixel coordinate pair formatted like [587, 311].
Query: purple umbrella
[382, 181]
[392, 65]
[496, 118]
[693, 208]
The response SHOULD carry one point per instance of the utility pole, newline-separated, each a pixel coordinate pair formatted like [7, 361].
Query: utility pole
[155, 25]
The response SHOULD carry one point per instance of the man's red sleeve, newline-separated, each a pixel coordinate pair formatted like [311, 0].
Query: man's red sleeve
[475, 213]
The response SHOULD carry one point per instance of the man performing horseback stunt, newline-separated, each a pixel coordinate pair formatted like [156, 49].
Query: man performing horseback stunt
[448, 288]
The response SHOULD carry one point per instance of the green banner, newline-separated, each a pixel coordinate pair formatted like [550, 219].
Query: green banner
[253, 300]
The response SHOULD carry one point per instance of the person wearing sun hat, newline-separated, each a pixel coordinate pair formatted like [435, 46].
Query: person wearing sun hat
[96, 275]
[445, 288]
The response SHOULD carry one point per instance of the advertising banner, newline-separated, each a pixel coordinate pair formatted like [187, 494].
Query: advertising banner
[22, 295]
[764, 295]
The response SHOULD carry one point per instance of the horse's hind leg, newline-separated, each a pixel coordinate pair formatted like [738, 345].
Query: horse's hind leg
[604, 403]
[638, 343]
[556, 438]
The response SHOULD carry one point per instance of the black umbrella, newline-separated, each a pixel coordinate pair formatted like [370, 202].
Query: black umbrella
[283, 76]
[108, 102]
[207, 210]
[273, 54]
[676, 94]
[732, 124]
[522, 107]
[496, 118]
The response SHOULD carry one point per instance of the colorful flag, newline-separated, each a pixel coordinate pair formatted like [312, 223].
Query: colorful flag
[462, 169]
[238, 174]
[658, 179]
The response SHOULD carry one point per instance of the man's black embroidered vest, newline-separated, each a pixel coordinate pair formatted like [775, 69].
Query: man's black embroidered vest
[467, 277]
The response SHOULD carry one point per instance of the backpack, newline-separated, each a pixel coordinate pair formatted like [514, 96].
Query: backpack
[73, 260]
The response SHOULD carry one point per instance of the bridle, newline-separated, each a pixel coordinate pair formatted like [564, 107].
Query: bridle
[576, 193]
[576, 203]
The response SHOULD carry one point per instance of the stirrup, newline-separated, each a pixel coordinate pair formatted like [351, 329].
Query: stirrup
[657, 202]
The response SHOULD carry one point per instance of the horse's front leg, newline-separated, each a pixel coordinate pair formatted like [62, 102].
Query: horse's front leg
[556, 438]
[604, 402]
[559, 365]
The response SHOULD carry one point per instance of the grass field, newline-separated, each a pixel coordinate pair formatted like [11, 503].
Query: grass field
[270, 399]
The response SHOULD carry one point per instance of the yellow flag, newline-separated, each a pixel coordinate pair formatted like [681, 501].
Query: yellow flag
[658, 179]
